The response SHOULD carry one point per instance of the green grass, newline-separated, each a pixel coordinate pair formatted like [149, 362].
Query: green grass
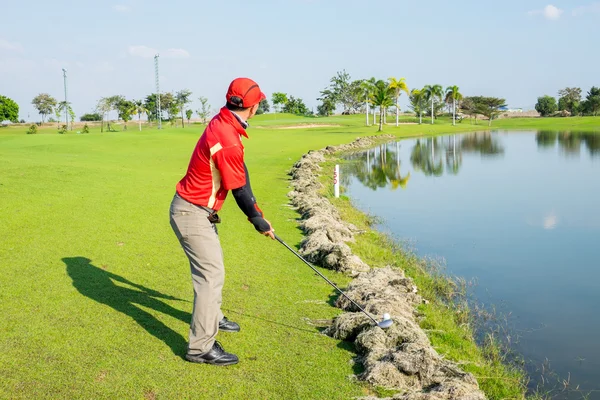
[116, 327]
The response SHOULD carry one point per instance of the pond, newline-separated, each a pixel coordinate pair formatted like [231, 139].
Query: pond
[516, 211]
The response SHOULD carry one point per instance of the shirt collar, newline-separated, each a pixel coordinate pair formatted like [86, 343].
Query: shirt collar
[244, 124]
[230, 117]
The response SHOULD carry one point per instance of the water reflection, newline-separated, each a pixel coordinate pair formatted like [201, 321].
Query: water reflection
[569, 142]
[523, 223]
[377, 168]
[380, 167]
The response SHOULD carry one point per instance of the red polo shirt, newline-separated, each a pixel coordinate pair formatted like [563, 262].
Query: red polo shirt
[217, 163]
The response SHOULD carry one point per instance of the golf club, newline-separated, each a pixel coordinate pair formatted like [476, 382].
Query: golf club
[386, 321]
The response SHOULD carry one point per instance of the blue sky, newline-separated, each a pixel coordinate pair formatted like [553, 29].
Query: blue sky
[518, 50]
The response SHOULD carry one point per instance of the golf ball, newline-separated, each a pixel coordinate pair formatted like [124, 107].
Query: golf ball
[386, 316]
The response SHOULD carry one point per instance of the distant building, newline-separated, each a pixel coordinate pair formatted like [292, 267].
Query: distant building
[506, 109]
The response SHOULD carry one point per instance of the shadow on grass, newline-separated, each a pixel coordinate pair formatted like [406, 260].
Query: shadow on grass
[357, 366]
[100, 285]
[271, 322]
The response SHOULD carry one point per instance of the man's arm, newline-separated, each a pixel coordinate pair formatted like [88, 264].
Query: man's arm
[247, 203]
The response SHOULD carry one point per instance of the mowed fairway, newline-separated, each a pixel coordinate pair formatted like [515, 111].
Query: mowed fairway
[95, 294]
[111, 327]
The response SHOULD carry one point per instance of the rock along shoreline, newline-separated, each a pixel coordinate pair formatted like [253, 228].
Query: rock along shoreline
[401, 357]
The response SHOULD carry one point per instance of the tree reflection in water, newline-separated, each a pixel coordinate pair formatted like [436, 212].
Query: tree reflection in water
[377, 168]
[380, 167]
[569, 142]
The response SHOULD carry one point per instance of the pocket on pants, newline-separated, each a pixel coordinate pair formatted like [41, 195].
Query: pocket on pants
[181, 223]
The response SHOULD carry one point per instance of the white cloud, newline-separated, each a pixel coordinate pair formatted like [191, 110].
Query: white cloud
[142, 51]
[6, 45]
[177, 53]
[593, 8]
[549, 12]
[122, 8]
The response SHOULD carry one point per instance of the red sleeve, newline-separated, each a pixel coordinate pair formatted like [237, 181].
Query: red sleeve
[230, 163]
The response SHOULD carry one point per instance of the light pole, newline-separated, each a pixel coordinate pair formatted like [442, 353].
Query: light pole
[158, 110]
[66, 103]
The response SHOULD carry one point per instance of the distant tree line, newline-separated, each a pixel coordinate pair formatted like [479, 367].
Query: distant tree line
[570, 103]
[373, 97]
[366, 95]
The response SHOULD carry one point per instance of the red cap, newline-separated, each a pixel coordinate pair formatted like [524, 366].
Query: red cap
[244, 92]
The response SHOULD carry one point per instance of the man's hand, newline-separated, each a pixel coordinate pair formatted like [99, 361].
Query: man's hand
[271, 232]
[263, 226]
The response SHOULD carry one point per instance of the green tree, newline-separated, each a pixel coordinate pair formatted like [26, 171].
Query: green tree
[279, 100]
[546, 105]
[188, 115]
[111, 103]
[382, 97]
[453, 96]
[170, 104]
[472, 106]
[490, 107]
[63, 107]
[592, 101]
[433, 93]
[183, 97]
[328, 101]
[103, 107]
[90, 117]
[355, 96]
[44, 103]
[139, 109]
[569, 99]
[72, 116]
[9, 110]
[326, 108]
[151, 107]
[417, 103]
[126, 109]
[340, 87]
[57, 115]
[204, 111]
[398, 86]
[263, 107]
[296, 106]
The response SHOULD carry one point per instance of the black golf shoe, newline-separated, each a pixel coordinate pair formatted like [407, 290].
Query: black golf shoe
[216, 356]
[226, 325]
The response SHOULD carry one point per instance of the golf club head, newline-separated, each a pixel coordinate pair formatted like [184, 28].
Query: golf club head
[386, 322]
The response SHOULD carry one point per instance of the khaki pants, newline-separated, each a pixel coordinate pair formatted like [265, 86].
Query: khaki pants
[201, 245]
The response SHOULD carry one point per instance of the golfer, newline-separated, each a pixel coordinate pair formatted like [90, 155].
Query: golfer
[216, 167]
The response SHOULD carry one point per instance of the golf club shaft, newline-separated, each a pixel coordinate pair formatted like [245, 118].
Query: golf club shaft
[324, 277]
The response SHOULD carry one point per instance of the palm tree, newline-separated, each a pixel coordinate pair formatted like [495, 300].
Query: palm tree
[398, 86]
[182, 98]
[431, 92]
[382, 97]
[367, 87]
[453, 95]
[416, 102]
[139, 109]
